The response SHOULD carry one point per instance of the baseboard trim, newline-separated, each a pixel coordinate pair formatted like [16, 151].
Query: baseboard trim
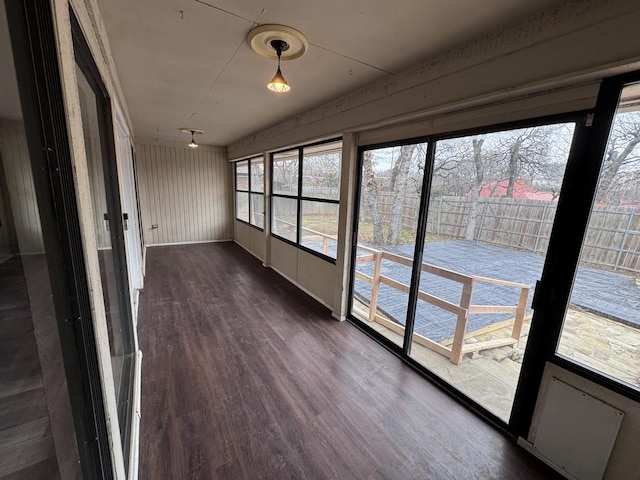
[149, 245]
[248, 251]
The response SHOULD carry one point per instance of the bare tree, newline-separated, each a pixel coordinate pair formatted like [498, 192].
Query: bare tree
[533, 153]
[398, 187]
[371, 186]
[285, 174]
[475, 188]
[622, 159]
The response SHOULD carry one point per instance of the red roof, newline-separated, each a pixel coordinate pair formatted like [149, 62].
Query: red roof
[520, 190]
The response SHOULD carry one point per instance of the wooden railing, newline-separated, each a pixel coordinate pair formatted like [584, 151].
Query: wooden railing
[326, 238]
[455, 348]
[462, 309]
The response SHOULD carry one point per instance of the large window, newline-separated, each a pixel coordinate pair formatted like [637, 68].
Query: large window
[465, 254]
[305, 196]
[444, 268]
[249, 180]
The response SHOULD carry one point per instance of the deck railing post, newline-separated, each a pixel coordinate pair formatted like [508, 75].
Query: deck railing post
[520, 312]
[461, 323]
[375, 285]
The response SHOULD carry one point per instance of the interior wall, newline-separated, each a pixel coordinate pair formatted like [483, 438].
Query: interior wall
[22, 195]
[8, 240]
[312, 274]
[251, 239]
[184, 192]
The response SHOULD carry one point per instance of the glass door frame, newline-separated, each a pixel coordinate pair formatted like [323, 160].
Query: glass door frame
[533, 362]
[87, 65]
[553, 292]
[33, 41]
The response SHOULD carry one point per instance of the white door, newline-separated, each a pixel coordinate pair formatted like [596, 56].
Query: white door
[130, 212]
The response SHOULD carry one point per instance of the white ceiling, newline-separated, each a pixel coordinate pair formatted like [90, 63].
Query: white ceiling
[186, 63]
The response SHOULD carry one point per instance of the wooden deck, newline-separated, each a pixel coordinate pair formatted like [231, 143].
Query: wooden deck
[491, 376]
[246, 377]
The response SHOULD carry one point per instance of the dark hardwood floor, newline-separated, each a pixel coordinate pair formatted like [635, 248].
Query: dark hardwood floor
[246, 377]
[26, 442]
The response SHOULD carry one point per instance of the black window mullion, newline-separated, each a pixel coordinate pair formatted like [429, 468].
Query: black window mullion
[271, 194]
[299, 201]
[249, 187]
[320, 200]
[421, 231]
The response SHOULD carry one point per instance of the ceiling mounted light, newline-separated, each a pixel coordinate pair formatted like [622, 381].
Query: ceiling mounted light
[278, 42]
[278, 83]
[193, 132]
[193, 143]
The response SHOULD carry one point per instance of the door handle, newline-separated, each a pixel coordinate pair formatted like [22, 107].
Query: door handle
[125, 220]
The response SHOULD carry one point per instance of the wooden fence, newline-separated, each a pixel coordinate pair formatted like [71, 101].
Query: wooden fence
[612, 241]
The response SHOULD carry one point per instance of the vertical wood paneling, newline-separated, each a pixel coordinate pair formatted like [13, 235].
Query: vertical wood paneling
[17, 168]
[8, 242]
[185, 192]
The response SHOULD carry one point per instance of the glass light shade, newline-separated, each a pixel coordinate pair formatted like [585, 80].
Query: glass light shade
[278, 84]
[193, 144]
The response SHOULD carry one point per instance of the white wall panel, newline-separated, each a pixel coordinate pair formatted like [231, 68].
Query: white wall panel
[251, 239]
[184, 191]
[317, 276]
[284, 259]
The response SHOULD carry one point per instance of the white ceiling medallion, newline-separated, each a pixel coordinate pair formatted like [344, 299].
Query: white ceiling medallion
[260, 39]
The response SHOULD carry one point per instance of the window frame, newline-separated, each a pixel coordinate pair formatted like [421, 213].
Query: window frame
[521, 418]
[31, 30]
[299, 198]
[249, 191]
[578, 210]
[552, 294]
[125, 398]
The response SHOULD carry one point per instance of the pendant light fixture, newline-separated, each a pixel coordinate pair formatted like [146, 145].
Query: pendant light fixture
[278, 83]
[193, 143]
[193, 132]
[278, 42]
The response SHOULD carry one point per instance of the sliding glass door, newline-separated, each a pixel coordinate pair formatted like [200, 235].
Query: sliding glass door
[492, 204]
[601, 328]
[390, 184]
[109, 223]
[451, 238]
